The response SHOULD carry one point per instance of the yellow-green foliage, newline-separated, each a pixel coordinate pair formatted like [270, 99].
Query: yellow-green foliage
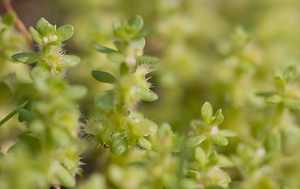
[191, 94]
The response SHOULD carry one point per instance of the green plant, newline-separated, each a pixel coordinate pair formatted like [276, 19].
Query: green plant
[48, 147]
[113, 136]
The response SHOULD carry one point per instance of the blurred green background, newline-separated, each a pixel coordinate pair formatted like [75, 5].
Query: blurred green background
[222, 51]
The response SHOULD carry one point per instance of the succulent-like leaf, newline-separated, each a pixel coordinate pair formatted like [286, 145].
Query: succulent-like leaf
[118, 144]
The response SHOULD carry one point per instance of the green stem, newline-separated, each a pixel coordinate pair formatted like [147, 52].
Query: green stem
[11, 114]
[278, 114]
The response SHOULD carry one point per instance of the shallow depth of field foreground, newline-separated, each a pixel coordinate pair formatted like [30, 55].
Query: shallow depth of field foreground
[149, 94]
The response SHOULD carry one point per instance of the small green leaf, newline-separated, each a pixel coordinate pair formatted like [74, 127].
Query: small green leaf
[103, 49]
[103, 76]
[165, 130]
[224, 161]
[26, 115]
[76, 91]
[65, 178]
[141, 41]
[213, 158]
[35, 35]
[142, 127]
[227, 133]
[146, 59]
[290, 73]
[32, 142]
[65, 32]
[219, 140]
[207, 112]
[272, 142]
[60, 137]
[105, 100]
[116, 24]
[70, 61]
[9, 19]
[148, 95]
[279, 81]
[118, 144]
[26, 58]
[292, 103]
[218, 118]
[273, 99]
[265, 94]
[200, 156]
[136, 23]
[116, 57]
[44, 27]
[144, 143]
[194, 141]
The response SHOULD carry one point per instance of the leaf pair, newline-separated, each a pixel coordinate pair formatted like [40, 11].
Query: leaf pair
[46, 32]
[114, 56]
[129, 30]
[208, 117]
[291, 103]
[32, 57]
